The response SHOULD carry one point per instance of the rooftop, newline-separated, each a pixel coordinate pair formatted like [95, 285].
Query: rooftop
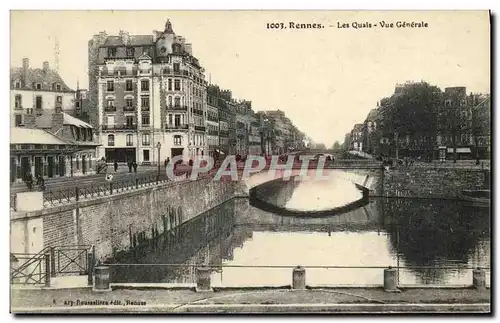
[34, 136]
[47, 78]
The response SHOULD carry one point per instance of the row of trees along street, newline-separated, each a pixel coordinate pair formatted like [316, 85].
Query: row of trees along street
[420, 116]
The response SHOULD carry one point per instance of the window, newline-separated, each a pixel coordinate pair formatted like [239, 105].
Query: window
[130, 140]
[38, 86]
[89, 134]
[176, 67]
[18, 101]
[39, 103]
[177, 102]
[176, 48]
[169, 119]
[110, 121]
[145, 155]
[111, 52]
[19, 120]
[129, 102]
[128, 85]
[18, 85]
[146, 139]
[110, 103]
[170, 84]
[170, 101]
[111, 140]
[59, 99]
[177, 85]
[177, 140]
[130, 121]
[145, 101]
[144, 85]
[58, 87]
[77, 104]
[177, 120]
[145, 120]
[111, 86]
[130, 52]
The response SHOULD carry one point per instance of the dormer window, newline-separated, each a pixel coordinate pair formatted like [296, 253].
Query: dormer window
[111, 52]
[176, 48]
[38, 86]
[58, 87]
[17, 85]
[130, 52]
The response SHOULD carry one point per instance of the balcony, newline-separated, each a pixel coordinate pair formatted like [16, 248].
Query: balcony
[177, 107]
[199, 128]
[213, 133]
[213, 119]
[224, 133]
[110, 109]
[198, 112]
[176, 127]
[115, 127]
[145, 108]
[128, 109]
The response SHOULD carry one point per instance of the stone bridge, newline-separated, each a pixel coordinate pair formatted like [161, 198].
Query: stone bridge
[366, 174]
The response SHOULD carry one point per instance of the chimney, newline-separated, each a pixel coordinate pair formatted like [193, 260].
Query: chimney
[26, 67]
[188, 47]
[124, 36]
[57, 119]
[45, 66]
[29, 119]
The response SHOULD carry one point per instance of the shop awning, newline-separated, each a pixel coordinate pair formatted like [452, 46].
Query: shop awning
[460, 150]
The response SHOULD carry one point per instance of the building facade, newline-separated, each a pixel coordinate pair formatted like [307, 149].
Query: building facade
[46, 139]
[147, 94]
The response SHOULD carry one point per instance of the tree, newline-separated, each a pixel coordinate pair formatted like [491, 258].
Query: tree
[336, 145]
[412, 113]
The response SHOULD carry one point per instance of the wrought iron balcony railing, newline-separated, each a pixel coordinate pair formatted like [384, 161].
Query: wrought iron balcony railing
[177, 107]
[119, 127]
[176, 126]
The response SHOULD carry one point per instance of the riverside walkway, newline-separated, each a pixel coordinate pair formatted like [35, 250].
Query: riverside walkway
[280, 300]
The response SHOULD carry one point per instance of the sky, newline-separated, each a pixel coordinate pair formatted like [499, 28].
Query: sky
[325, 80]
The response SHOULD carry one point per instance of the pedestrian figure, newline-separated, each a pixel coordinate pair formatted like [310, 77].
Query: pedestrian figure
[28, 179]
[406, 161]
[412, 161]
[191, 162]
[135, 166]
[130, 167]
[40, 182]
[166, 163]
[116, 165]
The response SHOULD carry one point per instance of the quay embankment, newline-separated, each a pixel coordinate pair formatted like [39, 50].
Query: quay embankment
[278, 300]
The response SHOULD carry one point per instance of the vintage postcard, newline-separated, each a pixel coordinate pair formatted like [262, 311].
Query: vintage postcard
[250, 162]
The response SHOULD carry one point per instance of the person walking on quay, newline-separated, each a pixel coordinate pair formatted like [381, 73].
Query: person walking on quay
[116, 166]
[406, 161]
[134, 164]
[40, 182]
[129, 164]
[28, 179]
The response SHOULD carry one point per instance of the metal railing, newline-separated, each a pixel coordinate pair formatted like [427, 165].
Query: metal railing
[37, 269]
[219, 268]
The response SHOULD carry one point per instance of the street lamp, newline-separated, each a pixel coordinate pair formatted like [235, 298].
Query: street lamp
[158, 145]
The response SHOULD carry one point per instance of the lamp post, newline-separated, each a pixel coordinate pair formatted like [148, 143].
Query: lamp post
[158, 145]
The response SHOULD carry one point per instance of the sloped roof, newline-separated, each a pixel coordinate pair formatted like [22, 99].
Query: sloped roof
[34, 136]
[358, 127]
[138, 40]
[38, 75]
[145, 57]
[372, 115]
[113, 41]
[44, 121]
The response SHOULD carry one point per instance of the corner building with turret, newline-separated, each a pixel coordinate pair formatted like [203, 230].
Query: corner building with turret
[147, 97]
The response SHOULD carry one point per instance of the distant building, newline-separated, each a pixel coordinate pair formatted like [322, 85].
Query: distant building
[357, 137]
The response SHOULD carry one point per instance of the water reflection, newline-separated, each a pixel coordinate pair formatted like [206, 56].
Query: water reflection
[309, 195]
[384, 232]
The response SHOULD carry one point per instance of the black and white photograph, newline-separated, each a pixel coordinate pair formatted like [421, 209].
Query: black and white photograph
[250, 161]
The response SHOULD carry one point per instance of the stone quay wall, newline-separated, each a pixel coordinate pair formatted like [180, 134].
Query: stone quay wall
[420, 182]
[115, 223]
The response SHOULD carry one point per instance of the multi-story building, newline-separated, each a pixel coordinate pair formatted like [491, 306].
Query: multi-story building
[277, 119]
[371, 138]
[39, 89]
[148, 97]
[243, 109]
[357, 137]
[45, 139]
[254, 135]
[213, 124]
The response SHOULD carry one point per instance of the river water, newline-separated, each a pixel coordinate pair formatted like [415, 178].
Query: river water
[251, 247]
